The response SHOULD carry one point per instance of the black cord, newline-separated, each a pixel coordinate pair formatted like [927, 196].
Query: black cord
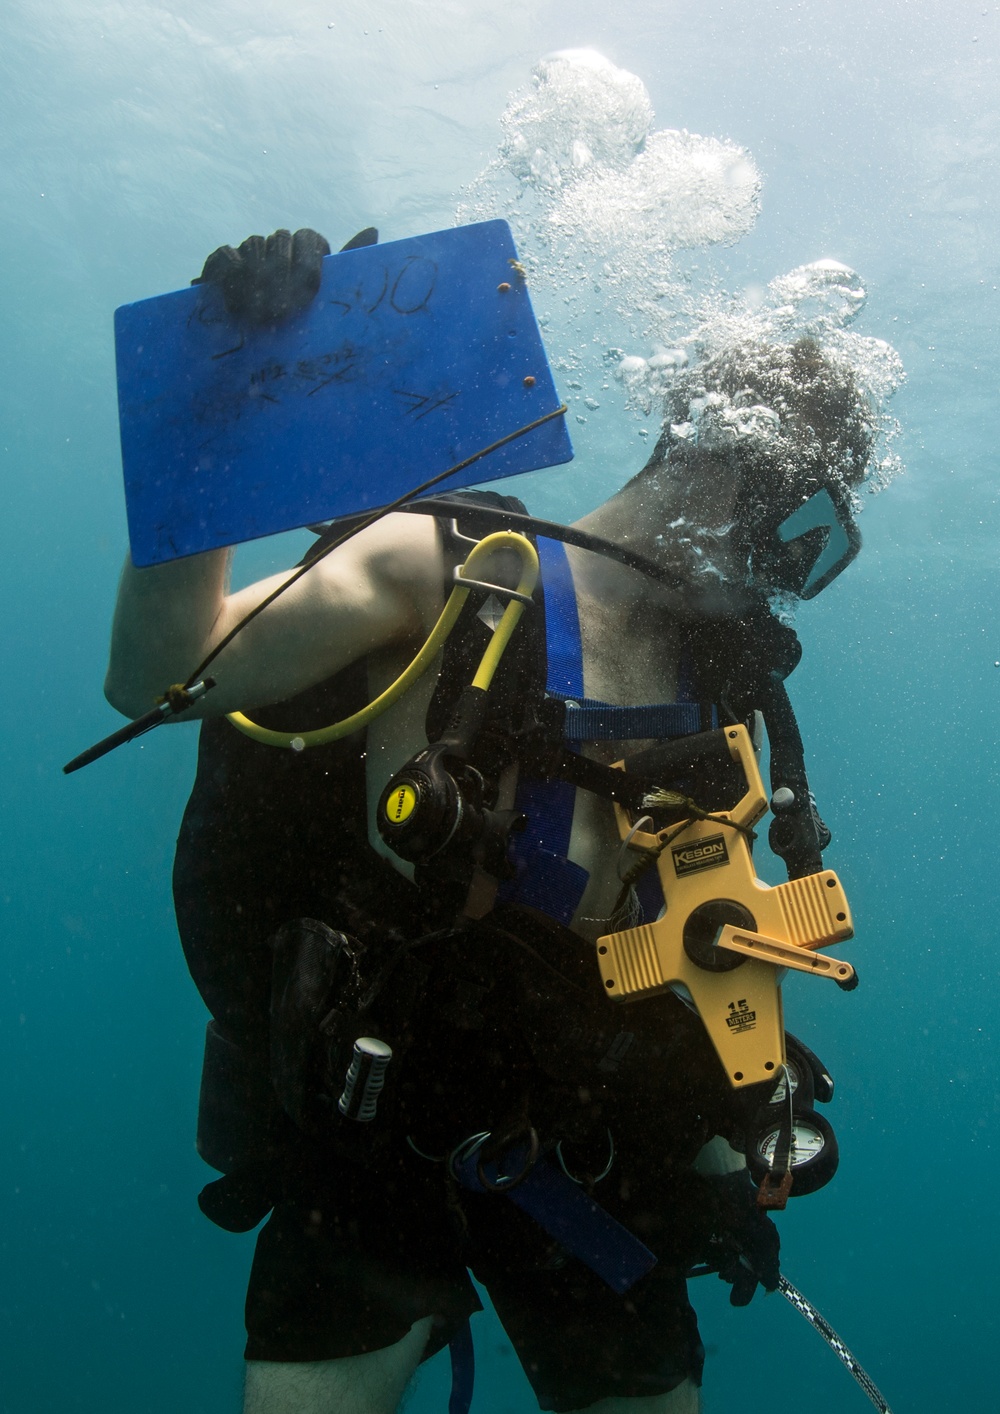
[354, 529]
[159, 714]
[534, 525]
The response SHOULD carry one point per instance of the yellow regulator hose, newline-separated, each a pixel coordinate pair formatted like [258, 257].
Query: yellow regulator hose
[501, 540]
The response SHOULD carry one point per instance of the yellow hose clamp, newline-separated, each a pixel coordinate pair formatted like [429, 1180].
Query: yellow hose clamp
[725, 933]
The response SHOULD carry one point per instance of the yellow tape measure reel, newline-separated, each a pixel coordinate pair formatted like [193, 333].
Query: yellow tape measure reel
[725, 933]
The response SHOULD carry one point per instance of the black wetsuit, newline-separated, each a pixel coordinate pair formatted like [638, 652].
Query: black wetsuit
[504, 1024]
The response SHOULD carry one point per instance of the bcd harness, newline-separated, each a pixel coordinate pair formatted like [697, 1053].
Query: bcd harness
[703, 900]
[716, 935]
[690, 870]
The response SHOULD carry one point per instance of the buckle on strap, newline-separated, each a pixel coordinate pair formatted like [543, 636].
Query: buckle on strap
[560, 1207]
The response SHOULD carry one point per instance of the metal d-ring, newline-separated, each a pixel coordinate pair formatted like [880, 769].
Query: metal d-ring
[465, 1150]
[462, 583]
[431, 1158]
[460, 534]
[604, 1171]
[505, 1182]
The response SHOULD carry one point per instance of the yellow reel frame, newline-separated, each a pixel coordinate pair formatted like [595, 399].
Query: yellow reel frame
[725, 933]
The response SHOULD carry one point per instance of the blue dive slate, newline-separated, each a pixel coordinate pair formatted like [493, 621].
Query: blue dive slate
[413, 356]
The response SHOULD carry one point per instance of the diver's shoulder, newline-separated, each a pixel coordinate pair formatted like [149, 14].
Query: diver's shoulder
[397, 550]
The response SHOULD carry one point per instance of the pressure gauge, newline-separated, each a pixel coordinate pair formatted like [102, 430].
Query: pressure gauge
[811, 1081]
[808, 1063]
[814, 1151]
[800, 1082]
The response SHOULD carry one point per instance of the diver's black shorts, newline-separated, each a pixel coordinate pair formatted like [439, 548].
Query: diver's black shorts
[352, 1269]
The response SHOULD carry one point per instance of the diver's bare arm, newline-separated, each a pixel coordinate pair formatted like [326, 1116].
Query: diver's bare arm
[383, 587]
[161, 616]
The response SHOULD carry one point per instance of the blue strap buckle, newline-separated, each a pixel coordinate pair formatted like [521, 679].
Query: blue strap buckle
[561, 1208]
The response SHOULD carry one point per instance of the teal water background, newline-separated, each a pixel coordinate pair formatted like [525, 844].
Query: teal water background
[138, 137]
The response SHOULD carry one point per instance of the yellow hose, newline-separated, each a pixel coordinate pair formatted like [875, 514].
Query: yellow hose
[501, 540]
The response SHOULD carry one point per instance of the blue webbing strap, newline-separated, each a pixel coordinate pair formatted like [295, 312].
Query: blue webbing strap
[563, 645]
[566, 1213]
[544, 877]
[590, 720]
[463, 1369]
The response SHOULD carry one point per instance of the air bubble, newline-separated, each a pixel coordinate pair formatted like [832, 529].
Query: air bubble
[582, 111]
[615, 216]
[817, 298]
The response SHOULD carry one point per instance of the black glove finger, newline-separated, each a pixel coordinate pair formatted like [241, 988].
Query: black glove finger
[743, 1283]
[369, 236]
[307, 251]
[309, 247]
[278, 254]
[760, 1246]
[769, 1279]
[219, 265]
[252, 252]
[225, 269]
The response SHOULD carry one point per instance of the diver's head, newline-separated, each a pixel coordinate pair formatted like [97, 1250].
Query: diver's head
[769, 442]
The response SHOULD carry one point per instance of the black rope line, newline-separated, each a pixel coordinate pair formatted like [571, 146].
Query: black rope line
[180, 695]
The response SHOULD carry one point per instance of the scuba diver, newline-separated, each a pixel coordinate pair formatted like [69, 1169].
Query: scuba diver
[412, 1064]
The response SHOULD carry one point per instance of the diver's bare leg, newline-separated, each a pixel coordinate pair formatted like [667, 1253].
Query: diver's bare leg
[358, 1384]
[685, 1399]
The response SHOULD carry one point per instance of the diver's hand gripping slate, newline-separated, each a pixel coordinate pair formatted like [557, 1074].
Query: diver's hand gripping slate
[724, 933]
[266, 281]
[258, 401]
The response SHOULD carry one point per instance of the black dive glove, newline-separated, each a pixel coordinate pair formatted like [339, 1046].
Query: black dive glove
[744, 1243]
[268, 281]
